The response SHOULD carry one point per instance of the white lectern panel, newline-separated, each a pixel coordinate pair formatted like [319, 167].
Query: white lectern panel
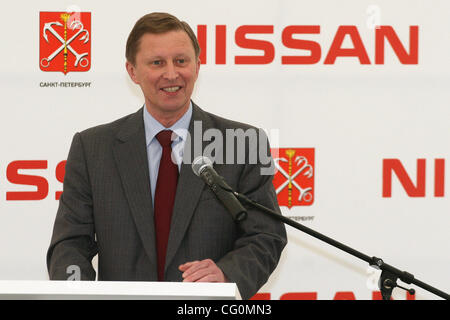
[115, 290]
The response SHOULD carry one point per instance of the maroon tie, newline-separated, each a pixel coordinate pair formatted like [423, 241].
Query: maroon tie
[166, 187]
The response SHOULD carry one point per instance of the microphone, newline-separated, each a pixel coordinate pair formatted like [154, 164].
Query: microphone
[203, 168]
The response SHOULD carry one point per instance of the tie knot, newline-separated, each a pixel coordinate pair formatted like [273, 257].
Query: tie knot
[165, 138]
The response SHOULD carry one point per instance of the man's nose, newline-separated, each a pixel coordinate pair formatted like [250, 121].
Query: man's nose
[171, 72]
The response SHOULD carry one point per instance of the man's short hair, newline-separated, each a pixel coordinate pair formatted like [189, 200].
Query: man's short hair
[157, 23]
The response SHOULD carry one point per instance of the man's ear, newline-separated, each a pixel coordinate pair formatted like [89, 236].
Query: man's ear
[131, 69]
[198, 65]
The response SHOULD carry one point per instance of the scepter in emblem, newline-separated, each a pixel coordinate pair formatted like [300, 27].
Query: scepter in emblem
[65, 17]
[290, 153]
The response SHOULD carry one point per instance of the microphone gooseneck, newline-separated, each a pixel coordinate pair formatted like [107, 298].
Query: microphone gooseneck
[203, 168]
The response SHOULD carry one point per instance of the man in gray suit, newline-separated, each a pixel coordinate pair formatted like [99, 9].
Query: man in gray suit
[110, 197]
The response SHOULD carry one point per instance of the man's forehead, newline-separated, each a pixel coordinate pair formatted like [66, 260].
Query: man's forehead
[168, 42]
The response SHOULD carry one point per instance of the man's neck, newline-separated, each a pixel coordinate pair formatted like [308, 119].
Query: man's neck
[167, 119]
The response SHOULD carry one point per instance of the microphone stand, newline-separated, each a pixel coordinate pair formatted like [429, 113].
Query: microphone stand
[389, 274]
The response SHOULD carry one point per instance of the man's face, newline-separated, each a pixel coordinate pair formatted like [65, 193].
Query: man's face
[166, 70]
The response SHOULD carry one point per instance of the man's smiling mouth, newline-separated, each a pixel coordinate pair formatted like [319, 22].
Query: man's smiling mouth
[171, 89]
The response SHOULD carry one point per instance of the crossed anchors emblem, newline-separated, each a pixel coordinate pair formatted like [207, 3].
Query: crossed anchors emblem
[80, 58]
[305, 168]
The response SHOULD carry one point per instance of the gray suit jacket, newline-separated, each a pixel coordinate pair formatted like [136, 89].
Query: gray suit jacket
[106, 208]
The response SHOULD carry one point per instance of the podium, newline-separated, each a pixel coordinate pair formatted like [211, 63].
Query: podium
[116, 290]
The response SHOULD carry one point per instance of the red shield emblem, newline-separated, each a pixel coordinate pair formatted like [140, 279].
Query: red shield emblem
[65, 41]
[294, 178]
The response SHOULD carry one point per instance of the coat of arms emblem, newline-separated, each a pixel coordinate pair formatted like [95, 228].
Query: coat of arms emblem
[294, 178]
[65, 41]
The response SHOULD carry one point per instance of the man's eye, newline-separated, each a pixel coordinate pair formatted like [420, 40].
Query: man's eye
[181, 61]
[156, 62]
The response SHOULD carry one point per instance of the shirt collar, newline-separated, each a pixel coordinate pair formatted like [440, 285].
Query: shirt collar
[153, 127]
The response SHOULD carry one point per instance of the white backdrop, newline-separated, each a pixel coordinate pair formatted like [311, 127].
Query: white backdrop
[353, 115]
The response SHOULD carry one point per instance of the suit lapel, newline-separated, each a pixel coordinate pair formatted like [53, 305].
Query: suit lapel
[189, 186]
[130, 154]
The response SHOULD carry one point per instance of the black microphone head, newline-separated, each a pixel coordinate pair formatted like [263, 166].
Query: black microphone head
[200, 163]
